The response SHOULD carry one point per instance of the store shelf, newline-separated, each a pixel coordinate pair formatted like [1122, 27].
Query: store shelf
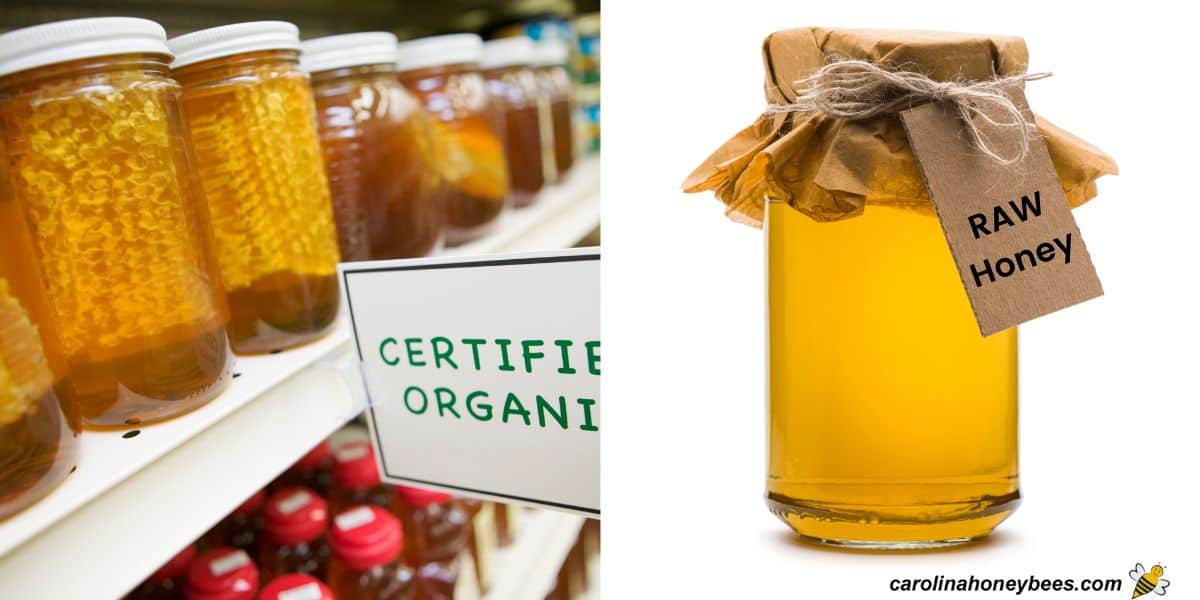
[527, 569]
[133, 502]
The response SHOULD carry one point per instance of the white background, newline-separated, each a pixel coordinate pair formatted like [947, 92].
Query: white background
[1108, 389]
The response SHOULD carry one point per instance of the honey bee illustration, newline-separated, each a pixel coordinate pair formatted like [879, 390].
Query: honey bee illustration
[1147, 582]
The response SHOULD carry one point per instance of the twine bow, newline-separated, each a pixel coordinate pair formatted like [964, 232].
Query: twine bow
[858, 89]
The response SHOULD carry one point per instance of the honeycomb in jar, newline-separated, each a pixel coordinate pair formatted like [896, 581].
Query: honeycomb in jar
[260, 162]
[25, 375]
[97, 165]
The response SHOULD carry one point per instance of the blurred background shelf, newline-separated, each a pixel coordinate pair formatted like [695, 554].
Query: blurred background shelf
[528, 568]
[138, 498]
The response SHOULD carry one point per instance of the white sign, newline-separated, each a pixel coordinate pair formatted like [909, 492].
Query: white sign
[484, 373]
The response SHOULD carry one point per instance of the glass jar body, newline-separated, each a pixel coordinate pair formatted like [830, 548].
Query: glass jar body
[437, 532]
[103, 177]
[393, 581]
[473, 157]
[307, 558]
[892, 421]
[514, 96]
[555, 88]
[381, 163]
[253, 125]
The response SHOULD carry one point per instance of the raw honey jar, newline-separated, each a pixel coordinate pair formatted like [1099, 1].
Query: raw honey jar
[443, 71]
[379, 149]
[250, 112]
[514, 93]
[39, 426]
[892, 420]
[104, 186]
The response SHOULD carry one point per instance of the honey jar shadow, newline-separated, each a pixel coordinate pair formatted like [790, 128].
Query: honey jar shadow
[995, 541]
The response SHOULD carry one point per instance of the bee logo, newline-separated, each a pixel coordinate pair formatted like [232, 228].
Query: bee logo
[1148, 581]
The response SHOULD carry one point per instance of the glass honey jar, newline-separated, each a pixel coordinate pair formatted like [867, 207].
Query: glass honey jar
[555, 87]
[443, 71]
[379, 149]
[102, 176]
[892, 421]
[514, 95]
[250, 113]
[39, 426]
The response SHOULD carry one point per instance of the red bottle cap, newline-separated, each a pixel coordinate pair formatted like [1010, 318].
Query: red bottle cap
[295, 515]
[222, 574]
[420, 498]
[297, 587]
[176, 567]
[316, 458]
[251, 505]
[354, 465]
[366, 536]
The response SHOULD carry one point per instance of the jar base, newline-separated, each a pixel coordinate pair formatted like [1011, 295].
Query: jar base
[894, 528]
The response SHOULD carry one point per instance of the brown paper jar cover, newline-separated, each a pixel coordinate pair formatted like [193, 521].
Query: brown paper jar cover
[828, 168]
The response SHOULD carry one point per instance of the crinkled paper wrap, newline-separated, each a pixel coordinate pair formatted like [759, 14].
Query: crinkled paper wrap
[829, 169]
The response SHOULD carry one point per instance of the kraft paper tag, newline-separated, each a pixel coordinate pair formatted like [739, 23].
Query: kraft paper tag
[1010, 229]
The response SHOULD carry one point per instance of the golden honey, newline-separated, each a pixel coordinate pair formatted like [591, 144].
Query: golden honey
[39, 426]
[101, 174]
[453, 91]
[555, 102]
[253, 127]
[892, 421]
[381, 157]
[514, 98]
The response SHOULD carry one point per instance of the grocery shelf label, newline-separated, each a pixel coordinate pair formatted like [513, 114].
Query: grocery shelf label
[484, 373]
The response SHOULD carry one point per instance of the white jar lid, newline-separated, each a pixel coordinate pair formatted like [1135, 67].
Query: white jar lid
[349, 50]
[227, 40]
[76, 39]
[452, 49]
[507, 52]
[550, 53]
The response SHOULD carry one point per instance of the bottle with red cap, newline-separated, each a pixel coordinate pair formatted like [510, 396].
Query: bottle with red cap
[436, 524]
[367, 545]
[167, 582]
[313, 471]
[241, 529]
[222, 574]
[356, 478]
[294, 542]
[296, 587]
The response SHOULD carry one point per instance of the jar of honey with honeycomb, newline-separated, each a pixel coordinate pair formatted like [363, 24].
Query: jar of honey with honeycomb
[514, 94]
[103, 180]
[249, 110]
[379, 149]
[555, 86]
[39, 426]
[443, 71]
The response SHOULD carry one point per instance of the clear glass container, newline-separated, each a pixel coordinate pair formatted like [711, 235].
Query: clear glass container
[250, 113]
[356, 479]
[443, 72]
[514, 97]
[437, 526]
[295, 520]
[379, 147]
[102, 174]
[893, 422]
[555, 92]
[367, 545]
[39, 425]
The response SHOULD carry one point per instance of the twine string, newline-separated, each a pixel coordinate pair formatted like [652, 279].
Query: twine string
[858, 89]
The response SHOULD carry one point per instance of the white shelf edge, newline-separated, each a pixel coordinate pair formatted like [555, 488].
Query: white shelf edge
[527, 569]
[191, 471]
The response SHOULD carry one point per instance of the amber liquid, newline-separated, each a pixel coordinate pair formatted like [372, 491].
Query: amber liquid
[556, 91]
[437, 580]
[342, 498]
[103, 181]
[381, 164]
[892, 421]
[514, 100]
[394, 581]
[472, 155]
[308, 558]
[253, 125]
[438, 532]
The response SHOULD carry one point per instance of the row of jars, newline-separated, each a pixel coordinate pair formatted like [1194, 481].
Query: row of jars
[165, 204]
[329, 525]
